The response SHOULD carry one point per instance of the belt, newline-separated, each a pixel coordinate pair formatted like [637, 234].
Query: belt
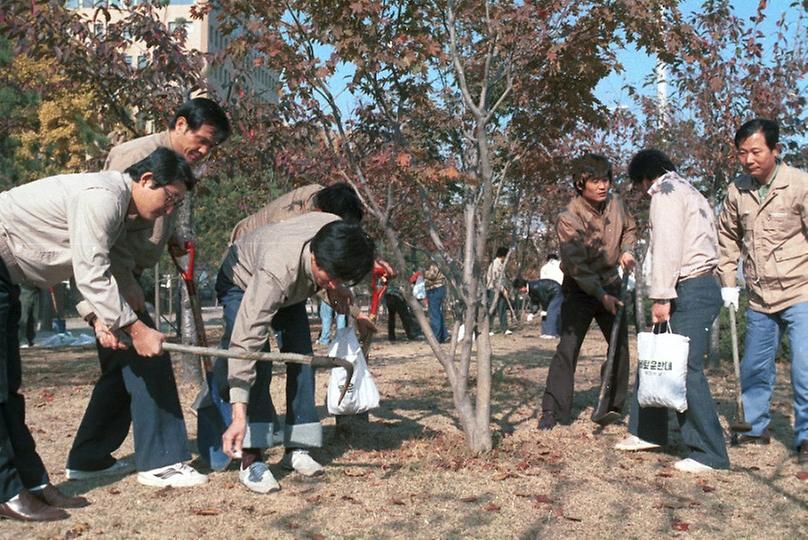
[702, 273]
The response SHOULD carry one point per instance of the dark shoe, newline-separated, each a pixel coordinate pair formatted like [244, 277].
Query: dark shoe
[51, 495]
[547, 420]
[742, 440]
[26, 507]
[802, 454]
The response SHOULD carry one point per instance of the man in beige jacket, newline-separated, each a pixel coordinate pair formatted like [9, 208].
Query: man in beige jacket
[266, 272]
[49, 230]
[133, 389]
[765, 220]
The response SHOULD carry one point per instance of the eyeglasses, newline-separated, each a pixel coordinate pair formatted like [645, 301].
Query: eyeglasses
[172, 199]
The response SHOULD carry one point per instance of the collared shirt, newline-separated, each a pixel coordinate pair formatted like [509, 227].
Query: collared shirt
[273, 266]
[591, 242]
[292, 204]
[764, 188]
[65, 226]
[495, 274]
[771, 235]
[684, 242]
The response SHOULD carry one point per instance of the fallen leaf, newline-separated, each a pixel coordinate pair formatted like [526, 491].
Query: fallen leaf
[572, 518]
[469, 499]
[163, 492]
[707, 488]
[114, 491]
[680, 525]
[317, 536]
[491, 507]
[664, 474]
[292, 525]
[349, 499]
[209, 511]
[77, 530]
[542, 499]
[354, 473]
[398, 502]
[802, 475]
[505, 476]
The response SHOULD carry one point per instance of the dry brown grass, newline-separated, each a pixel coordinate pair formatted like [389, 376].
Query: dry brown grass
[407, 474]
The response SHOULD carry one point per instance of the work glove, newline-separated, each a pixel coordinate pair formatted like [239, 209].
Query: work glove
[730, 296]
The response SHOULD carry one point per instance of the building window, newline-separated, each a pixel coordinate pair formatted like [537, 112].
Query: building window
[142, 61]
[127, 59]
[178, 23]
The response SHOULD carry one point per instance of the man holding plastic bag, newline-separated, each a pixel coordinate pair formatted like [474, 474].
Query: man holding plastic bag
[687, 298]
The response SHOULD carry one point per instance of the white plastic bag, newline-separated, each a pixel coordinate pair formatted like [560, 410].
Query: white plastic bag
[662, 370]
[362, 394]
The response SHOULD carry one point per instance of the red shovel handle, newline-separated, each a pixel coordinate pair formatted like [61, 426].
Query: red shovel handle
[188, 273]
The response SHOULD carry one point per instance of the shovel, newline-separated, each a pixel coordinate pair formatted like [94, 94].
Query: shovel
[602, 415]
[740, 425]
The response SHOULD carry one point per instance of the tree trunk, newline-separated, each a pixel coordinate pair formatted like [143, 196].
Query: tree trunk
[189, 367]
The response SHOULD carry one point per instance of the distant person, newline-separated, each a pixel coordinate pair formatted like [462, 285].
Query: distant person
[29, 310]
[435, 283]
[552, 269]
[764, 222]
[327, 316]
[497, 293]
[595, 234]
[546, 293]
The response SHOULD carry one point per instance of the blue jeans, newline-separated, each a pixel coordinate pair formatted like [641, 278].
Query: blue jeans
[552, 324]
[763, 333]
[302, 427]
[692, 313]
[326, 315]
[436, 321]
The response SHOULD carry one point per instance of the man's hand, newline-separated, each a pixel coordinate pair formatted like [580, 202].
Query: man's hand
[660, 311]
[176, 246]
[105, 337]
[611, 303]
[340, 299]
[133, 294]
[233, 438]
[627, 262]
[146, 341]
[730, 296]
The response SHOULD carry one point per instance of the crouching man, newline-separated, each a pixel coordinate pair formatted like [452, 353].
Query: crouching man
[274, 267]
[49, 230]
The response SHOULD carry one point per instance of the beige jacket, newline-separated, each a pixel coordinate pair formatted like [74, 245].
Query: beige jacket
[65, 226]
[771, 236]
[683, 236]
[292, 204]
[273, 267]
[145, 240]
[592, 241]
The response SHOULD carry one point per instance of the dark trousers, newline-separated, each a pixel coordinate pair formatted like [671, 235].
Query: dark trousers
[437, 323]
[577, 312]
[20, 465]
[396, 305]
[29, 302]
[552, 324]
[136, 390]
[692, 313]
[501, 310]
[302, 428]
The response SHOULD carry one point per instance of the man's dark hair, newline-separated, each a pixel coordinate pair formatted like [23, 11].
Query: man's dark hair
[591, 166]
[502, 252]
[552, 257]
[166, 167]
[341, 200]
[649, 164]
[344, 251]
[769, 128]
[200, 111]
[518, 283]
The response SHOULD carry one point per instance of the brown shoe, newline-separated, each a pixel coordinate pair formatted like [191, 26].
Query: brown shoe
[741, 440]
[802, 454]
[51, 495]
[26, 507]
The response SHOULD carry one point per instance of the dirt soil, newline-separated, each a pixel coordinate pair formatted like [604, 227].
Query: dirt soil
[407, 474]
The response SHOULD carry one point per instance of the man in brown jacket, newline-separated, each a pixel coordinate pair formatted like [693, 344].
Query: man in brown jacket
[133, 389]
[595, 234]
[765, 219]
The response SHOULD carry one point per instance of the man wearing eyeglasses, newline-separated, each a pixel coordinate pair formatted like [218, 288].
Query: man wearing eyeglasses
[133, 389]
[52, 229]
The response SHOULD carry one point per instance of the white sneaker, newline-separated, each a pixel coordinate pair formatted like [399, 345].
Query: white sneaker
[119, 468]
[547, 336]
[692, 466]
[258, 478]
[490, 333]
[176, 476]
[632, 443]
[302, 462]
[508, 332]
